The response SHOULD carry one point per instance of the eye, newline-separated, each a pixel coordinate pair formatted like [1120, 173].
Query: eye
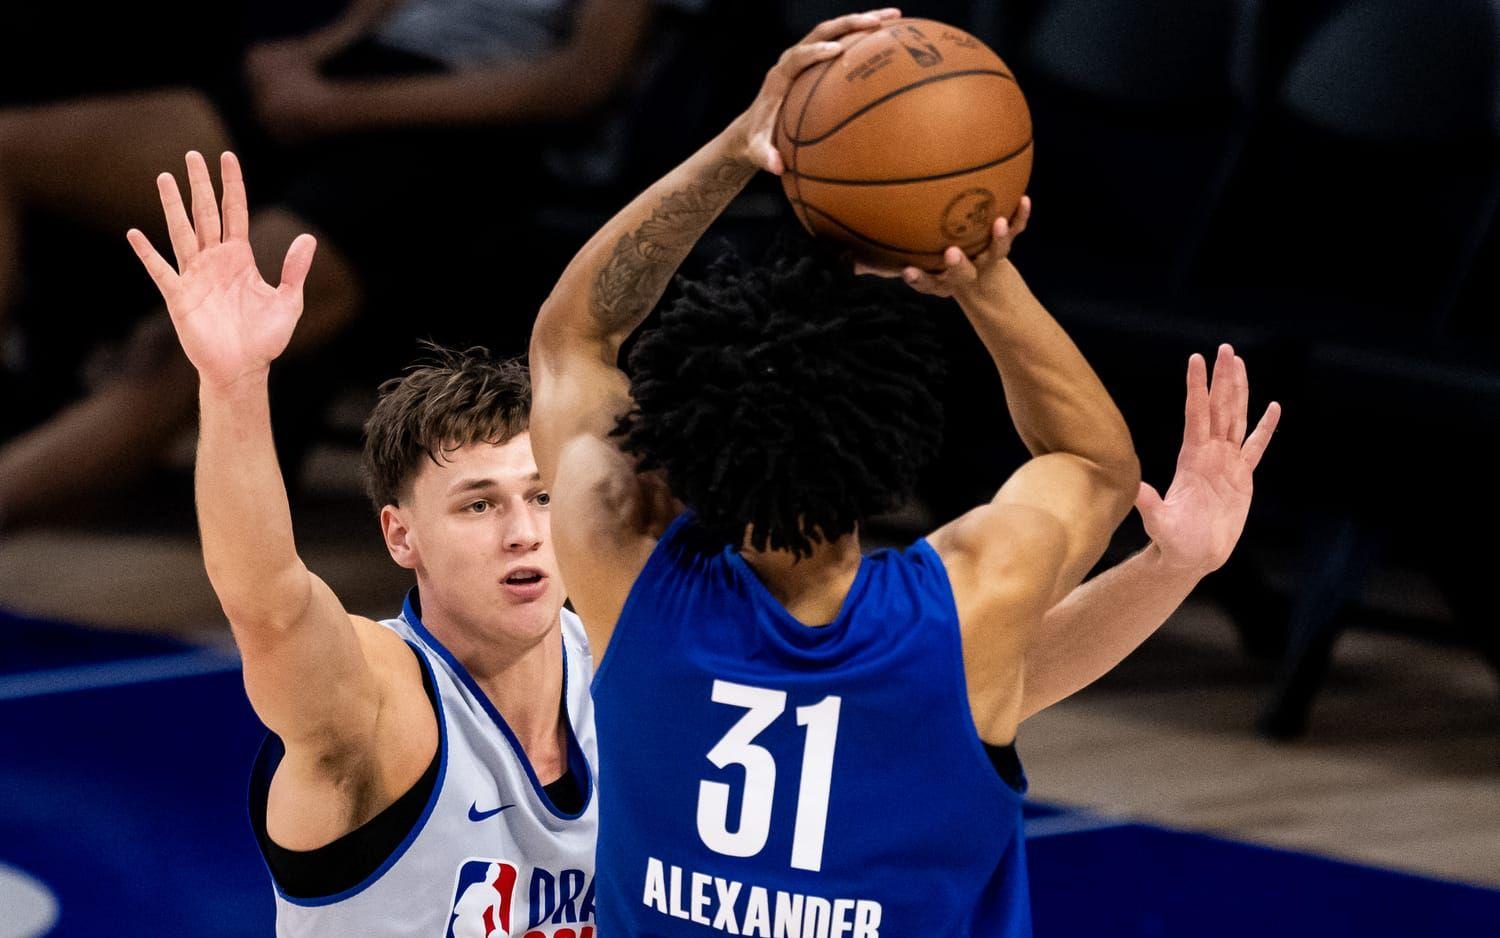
[543, 499]
[477, 508]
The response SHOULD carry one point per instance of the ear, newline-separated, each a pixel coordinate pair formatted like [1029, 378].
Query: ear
[398, 537]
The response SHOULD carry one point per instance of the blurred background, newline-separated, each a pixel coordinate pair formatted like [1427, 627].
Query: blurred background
[1311, 745]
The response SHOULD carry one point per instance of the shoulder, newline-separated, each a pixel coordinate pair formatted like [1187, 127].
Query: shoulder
[404, 711]
[1003, 537]
[1001, 555]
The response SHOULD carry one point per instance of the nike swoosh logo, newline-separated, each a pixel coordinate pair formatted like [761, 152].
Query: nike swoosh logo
[477, 815]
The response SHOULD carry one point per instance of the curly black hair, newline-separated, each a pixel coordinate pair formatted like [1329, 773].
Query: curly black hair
[789, 399]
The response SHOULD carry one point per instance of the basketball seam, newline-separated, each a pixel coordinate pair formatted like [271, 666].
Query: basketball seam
[796, 147]
[931, 79]
[896, 182]
[872, 241]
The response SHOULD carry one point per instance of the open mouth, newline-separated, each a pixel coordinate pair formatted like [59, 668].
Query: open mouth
[524, 577]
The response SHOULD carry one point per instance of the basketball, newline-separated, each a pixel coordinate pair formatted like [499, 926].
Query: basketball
[917, 137]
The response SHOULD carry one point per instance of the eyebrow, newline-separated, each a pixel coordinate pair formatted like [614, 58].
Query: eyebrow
[477, 485]
[471, 485]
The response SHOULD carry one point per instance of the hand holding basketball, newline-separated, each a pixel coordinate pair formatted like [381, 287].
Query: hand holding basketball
[960, 274]
[826, 41]
[231, 323]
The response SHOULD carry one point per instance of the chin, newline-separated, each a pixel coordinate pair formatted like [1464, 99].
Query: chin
[533, 617]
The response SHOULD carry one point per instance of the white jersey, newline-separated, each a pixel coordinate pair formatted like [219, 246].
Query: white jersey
[490, 855]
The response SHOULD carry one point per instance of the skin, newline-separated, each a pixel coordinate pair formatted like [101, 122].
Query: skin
[1009, 561]
[344, 693]
[1193, 531]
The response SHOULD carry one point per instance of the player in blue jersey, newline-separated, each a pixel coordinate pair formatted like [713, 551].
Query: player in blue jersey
[797, 739]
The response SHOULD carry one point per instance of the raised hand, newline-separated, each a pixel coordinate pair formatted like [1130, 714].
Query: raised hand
[1198, 523]
[826, 41]
[231, 322]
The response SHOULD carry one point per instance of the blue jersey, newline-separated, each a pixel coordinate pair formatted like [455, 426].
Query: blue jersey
[761, 777]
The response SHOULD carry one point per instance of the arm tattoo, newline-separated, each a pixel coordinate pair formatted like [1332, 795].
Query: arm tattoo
[643, 261]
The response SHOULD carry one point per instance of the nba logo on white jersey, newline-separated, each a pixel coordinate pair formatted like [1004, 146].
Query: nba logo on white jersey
[483, 899]
[490, 899]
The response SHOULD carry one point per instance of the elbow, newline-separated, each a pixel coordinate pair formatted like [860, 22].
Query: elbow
[548, 334]
[266, 609]
[1119, 477]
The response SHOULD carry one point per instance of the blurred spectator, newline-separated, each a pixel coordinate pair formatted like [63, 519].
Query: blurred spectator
[410, 135]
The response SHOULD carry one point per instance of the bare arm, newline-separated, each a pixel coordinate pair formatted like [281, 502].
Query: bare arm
[1193, 532]
[317, 677]
[1011, 560]
[1083, 474]
[607, 517]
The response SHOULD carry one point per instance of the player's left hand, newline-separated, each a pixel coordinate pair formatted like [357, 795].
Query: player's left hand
[1198, 523]
[757, 126]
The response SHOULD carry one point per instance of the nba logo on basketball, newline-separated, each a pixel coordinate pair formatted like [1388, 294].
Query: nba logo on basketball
[482, 899]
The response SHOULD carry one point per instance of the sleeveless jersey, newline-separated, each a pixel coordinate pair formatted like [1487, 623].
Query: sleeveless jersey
[490, 855]
[766, 778]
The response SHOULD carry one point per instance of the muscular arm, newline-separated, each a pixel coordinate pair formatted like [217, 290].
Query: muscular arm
[1193, 531]
[305, 670]
[1098, 624]
[607, 518]
[567, 82]
[344, 694]
[1013, 559]
[1084, 473]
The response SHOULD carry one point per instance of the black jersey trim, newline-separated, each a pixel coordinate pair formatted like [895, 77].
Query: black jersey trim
[565, 792]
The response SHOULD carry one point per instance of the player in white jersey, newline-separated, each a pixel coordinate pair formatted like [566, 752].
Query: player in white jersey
[427, 775]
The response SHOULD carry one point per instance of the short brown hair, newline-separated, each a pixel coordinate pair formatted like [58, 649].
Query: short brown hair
[441, 403]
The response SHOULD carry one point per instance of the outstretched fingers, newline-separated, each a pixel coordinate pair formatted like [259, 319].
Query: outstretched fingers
[179, 229]
[205, 204]
[1260, 438]
[1240, 409]
[1197, 424]
[161, 272]
[236, 207]
[298, 262]
[1221, 394]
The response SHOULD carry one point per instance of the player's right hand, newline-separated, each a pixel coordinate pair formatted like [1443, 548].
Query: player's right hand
[826, 41]
[231, 323]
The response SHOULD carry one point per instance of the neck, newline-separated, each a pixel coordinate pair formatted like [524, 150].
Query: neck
[811, 588]
[523, 681]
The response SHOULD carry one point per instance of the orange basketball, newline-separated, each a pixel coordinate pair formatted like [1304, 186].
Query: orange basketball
[915, 138]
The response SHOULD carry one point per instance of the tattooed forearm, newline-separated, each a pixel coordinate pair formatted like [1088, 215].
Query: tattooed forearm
[643, 261]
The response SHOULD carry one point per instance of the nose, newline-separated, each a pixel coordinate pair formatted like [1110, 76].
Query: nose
[521, 532]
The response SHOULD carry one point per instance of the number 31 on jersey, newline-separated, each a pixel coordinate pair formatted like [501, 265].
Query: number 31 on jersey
[763, 707]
